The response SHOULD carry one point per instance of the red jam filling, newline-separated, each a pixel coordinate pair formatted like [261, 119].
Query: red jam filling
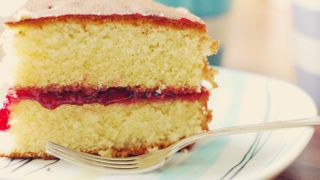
[5, 113]
[53, 98]
[4, 118]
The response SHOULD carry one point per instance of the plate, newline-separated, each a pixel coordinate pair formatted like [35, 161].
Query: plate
[242, 98]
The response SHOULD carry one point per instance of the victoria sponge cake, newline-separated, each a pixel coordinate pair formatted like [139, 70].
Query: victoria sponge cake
[114, 78]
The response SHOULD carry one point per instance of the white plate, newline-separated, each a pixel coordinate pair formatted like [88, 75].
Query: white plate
[242, 98]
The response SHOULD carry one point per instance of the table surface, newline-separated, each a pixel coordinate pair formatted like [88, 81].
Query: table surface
[259, 40]
[307, 166]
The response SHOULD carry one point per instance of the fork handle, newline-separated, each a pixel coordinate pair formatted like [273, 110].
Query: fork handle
[311, 121]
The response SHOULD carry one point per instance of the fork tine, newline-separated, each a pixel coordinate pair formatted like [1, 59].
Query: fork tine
[93, 157]
[87, 157]
[82, 161]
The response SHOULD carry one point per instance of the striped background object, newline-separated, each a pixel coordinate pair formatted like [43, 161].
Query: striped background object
[306, 18]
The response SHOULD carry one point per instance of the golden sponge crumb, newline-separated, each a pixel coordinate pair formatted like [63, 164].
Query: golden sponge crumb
[113, 130]
[110, 54]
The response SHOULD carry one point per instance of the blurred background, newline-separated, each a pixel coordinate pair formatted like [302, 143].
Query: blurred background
[277, 38]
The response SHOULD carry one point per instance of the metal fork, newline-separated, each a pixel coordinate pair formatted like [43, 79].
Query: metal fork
[156, 159]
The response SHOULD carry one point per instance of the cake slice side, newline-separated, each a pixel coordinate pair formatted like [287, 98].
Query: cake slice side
[133, 48]
[108, 77]
[114, 130]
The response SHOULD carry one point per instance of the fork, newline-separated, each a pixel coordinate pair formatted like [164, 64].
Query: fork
[156, 159]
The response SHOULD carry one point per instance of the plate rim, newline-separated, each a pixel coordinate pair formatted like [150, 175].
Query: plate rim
[275, 171]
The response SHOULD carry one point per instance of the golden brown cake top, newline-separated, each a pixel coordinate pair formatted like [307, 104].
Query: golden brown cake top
[35, 9]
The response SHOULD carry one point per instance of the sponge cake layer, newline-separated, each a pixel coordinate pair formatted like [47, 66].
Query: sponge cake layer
[113, 130]
[81, 50]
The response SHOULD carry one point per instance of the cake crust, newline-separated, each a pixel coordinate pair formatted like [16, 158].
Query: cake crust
[111, 153]
[133, 19]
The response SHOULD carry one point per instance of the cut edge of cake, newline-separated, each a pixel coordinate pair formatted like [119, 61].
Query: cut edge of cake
[124, 129]
[33, 19]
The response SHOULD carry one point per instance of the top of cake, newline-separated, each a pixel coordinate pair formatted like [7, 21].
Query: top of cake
[106, 43]
[35, 9]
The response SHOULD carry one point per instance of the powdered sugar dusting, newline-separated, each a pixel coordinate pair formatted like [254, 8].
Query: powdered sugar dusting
[47, 8]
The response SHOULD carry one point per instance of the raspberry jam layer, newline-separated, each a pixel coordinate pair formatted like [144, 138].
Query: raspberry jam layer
[52, 98]
[5, 111]
[4, 117]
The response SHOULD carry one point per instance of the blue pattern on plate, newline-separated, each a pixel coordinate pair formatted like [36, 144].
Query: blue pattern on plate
[208, 154]
[256, 146]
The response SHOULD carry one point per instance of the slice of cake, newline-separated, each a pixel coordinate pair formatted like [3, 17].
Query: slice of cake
[106, 77]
